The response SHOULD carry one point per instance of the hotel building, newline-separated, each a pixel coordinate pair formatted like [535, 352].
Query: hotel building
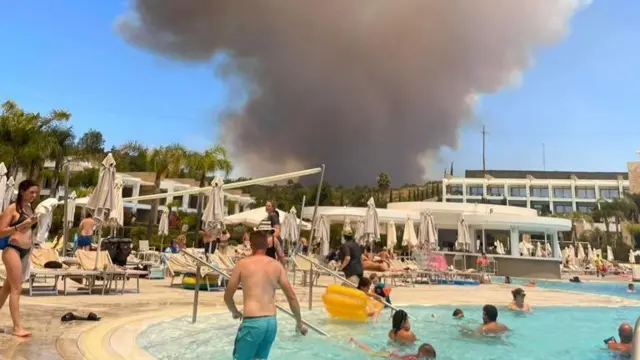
[557, 191]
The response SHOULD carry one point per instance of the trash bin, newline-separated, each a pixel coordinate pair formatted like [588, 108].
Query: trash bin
[118, 248]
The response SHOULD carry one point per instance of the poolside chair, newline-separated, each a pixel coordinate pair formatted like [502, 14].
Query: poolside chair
[179, 265]
[145, 251]
[306, 266]
[108, 274]
[39, 257]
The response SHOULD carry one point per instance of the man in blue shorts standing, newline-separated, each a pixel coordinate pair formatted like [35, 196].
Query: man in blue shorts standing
[260, 276]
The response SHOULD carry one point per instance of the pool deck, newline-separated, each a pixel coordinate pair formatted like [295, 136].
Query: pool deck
[124, 316]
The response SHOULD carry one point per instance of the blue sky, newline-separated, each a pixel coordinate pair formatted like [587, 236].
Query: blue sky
[579, 98]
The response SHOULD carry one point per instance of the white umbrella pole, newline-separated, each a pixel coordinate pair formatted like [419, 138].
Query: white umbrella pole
[161, 242]
[99, 245]
[313, 219]
[65, 224]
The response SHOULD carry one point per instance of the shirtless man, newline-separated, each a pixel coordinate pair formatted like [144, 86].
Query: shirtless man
[86, 227]
[260, 276]
[490, 324]
[625, 332]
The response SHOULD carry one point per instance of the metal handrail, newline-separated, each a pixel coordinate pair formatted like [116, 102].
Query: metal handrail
[201, 262]
[636, 344]
[340, 277]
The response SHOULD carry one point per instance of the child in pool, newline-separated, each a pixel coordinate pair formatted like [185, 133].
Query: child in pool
[364, 285]
[425, 351]
[401, 328]
[380, 288]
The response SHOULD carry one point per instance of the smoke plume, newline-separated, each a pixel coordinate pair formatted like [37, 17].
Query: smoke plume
[363, 86]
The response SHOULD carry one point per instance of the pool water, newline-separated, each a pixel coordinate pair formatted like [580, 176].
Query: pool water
[558, 333]
[618, 289]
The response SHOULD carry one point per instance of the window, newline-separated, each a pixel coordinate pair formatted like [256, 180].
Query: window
[585, 193]
[540, 191]
[562, 208]
[193, 201]
[518, 191]
[454, 189]
[495, 190]
[475, 190]
[585, 208]
[610, 193]
[625, 190]
[562, 192]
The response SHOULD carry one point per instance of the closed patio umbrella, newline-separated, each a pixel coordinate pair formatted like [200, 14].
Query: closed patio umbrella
[610, 254]
[581, 254]
[3, 184]
[213, 214]
[163, 227]
[8, 193]
[538, 249]
[371, 223]
[463, 240]
[392, 237]
[71, 207]
[632, 258]
[323, 234]
[116, 215]
[359, 233]
[409, 237]
[102, 199]
[289, 227]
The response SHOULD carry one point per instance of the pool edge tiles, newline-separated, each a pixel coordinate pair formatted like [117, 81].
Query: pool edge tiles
[118, 339]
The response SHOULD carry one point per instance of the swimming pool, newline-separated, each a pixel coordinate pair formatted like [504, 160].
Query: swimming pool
[558, 333]
[618, 289]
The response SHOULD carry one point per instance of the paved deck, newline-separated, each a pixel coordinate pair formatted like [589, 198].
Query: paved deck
[123, 316]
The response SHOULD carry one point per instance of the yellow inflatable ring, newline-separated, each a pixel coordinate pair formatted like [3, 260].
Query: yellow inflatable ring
[349, 304]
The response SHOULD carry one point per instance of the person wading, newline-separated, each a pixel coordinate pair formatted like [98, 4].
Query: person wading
[260, 276]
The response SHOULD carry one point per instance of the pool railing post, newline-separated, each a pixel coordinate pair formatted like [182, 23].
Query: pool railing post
[196, 292]
[313, 223]
[226, 276]
[295, 248]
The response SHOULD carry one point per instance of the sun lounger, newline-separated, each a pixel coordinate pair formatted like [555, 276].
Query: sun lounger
[39, 257]
[179, 265]
[305, 266]
[108, 273]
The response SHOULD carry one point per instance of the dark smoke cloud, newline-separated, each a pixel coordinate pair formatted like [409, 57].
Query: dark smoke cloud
[361, 85]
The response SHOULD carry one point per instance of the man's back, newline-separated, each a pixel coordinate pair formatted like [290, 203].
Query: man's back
[259, 276]
[86, 226]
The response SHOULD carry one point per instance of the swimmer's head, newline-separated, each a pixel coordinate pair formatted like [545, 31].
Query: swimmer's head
[518, 294]
[426, 351]
[364, 284]
[489, 314]
[631, 287]
[400, 321]
[625, 332]
[458, 313]
[374, 278]
[507, 279]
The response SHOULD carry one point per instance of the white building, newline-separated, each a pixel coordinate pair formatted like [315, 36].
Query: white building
[560, 191]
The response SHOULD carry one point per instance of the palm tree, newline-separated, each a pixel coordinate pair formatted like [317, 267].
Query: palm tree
[163, 161]
[25, 138]
[603, 212]
[63, 146]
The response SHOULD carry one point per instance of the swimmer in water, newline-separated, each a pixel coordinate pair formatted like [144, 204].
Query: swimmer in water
[458, 314]
[507, 279]
[631, 288]
[625, 332]
[490, 324]
[518, 303]
[425, 352]
[401, 328]
[364, 285]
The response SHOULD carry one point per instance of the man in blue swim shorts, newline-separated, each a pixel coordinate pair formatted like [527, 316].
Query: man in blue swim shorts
[86, 228]
[260, 276]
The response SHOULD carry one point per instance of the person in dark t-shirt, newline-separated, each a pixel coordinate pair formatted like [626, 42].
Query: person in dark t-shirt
[351, 256]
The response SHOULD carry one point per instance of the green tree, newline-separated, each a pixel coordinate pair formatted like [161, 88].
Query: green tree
[383, 181]
[131, 156]
[164, 161]
[26, 139]
[62, 148]
[90, 146]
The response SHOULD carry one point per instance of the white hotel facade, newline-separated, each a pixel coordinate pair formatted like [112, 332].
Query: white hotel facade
[561, 191]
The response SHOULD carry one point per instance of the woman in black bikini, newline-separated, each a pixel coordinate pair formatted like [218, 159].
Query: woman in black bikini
[17, 222]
